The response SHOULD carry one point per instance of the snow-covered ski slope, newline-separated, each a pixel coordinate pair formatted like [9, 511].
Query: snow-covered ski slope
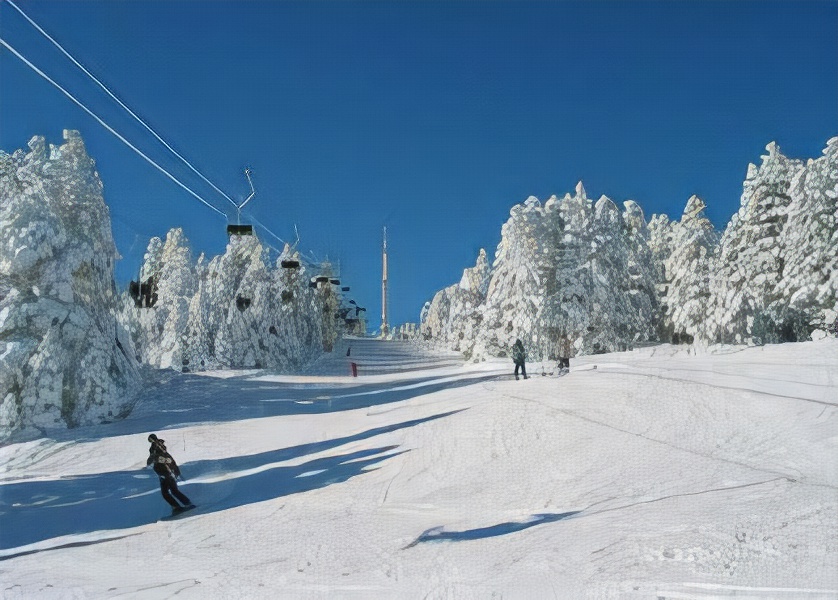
[661, 473]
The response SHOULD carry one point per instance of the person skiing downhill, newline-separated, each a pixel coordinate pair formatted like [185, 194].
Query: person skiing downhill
[168, 472]
[519, 355]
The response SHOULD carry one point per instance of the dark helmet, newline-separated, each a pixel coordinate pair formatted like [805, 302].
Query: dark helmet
[152, 438]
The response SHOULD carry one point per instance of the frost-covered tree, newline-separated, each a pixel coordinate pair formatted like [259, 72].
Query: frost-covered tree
[64, 359]
[622, 299]
[435, 320]
[462, 301]
[158, 332]
[810, 241]
[466, 302]
[296, 329]
[571, 276]
[688, 272]
[237, 310]
[515, 291]
[751, 260]
[565, 313]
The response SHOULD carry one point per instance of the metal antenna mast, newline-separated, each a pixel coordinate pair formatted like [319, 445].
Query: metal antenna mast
[385, 326]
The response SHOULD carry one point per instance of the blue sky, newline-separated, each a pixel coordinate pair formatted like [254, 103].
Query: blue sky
[432, 118]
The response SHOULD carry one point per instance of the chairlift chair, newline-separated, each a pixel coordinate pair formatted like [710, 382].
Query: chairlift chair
[242, 303]
[134, 292]
[238, 228]
[144, 293]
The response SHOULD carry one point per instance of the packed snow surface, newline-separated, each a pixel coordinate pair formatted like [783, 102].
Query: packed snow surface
[666, 472]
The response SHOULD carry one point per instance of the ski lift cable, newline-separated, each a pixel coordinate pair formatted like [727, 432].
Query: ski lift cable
[122, 104]
[269, 232]
[108, 127]
[311, 261]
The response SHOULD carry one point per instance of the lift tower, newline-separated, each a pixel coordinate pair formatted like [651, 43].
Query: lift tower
[385, 326]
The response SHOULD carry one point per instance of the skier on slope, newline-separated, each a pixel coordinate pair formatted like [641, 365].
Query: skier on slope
[519, 355]
[168, 472]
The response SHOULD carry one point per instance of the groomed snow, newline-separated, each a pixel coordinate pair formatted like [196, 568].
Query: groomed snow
[664, 472]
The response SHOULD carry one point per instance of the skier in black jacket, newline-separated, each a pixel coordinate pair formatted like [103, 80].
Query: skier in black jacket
[168, 472]
[519, 356]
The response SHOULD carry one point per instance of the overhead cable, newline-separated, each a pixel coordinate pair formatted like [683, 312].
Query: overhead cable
[122, 104]
[108, 127]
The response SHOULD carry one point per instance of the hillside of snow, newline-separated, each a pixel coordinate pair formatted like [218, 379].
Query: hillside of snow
[665, 472]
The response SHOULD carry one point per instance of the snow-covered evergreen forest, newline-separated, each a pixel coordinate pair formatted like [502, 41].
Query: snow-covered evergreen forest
[570, 277]
[661, 472]
[574, 276]
[75, 350]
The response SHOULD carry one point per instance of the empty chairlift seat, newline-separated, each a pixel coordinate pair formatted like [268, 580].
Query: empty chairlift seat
[239, 230]
[242, 303]
[144, 293]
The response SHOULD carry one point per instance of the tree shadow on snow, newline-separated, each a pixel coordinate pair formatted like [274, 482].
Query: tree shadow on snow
[192, 399]
[438, 534]
[35, 511]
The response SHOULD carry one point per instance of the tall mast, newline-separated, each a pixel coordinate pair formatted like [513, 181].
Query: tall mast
[385, 327]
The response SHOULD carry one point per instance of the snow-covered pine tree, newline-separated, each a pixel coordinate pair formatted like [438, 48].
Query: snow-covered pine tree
[467, 299]
[515, 292]
[159, 334]
[642, 275]
[622, 304]
[65, 360]
[660, 230]
[810, 241]
[435, 320]
[565, 316]
[295, 334]
[750, 263]
[693, 244]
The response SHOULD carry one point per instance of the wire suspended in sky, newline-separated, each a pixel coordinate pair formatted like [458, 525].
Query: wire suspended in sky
[109, 128]
[122, 104]
[269, 232]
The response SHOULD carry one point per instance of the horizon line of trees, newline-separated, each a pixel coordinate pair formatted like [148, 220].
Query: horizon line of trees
[572, 276]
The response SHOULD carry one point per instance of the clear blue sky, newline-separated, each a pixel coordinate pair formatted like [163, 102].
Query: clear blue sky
[432, 118]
